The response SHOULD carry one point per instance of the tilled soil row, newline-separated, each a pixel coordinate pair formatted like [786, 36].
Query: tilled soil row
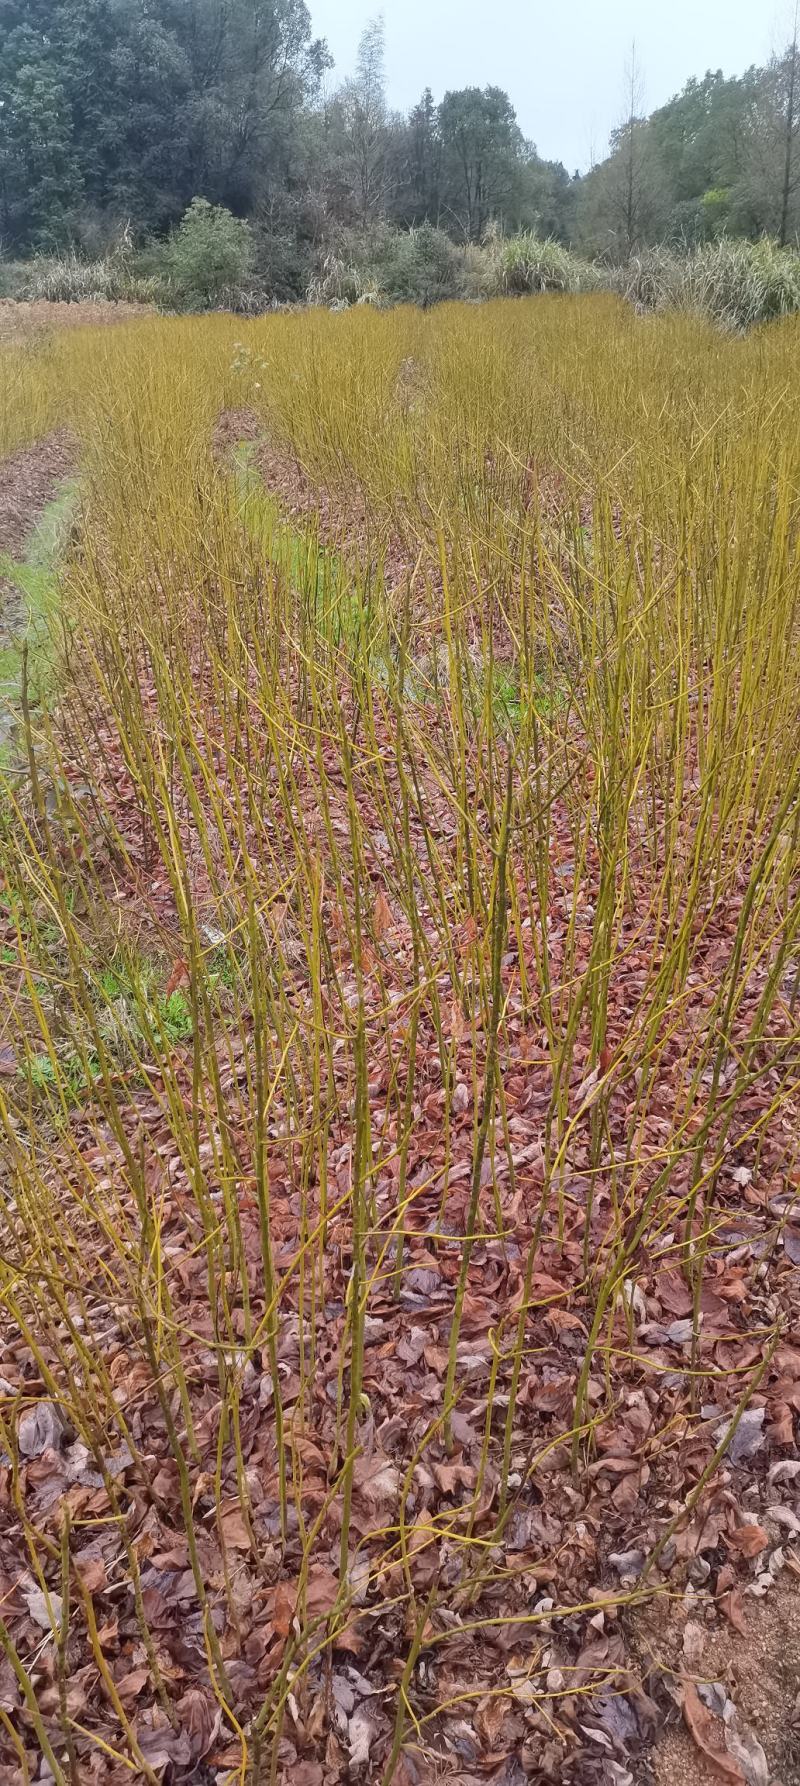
[29, 479]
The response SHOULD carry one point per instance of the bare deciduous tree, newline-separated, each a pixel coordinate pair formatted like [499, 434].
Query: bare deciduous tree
[366, 122]
[792, 127]
[630, 143]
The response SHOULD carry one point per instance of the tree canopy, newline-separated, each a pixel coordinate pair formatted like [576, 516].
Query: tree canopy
[120, 112]
[134, 107]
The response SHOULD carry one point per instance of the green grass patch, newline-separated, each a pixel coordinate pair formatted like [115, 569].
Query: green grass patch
[27, 615]
[338, 608]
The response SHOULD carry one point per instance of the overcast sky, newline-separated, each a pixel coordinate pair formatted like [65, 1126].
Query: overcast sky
[561, 61]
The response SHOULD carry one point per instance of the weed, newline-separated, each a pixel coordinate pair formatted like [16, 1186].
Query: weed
[175, 1017]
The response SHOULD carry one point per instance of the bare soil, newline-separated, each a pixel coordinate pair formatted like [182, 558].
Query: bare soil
[759, 1667]
[29, 480]
[21, 320]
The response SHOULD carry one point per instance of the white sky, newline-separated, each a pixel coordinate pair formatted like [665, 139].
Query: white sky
[561, 61]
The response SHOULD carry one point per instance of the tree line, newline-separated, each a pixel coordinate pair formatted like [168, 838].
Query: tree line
[117, 113]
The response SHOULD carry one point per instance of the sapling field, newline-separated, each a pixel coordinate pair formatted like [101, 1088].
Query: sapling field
[400, 1036]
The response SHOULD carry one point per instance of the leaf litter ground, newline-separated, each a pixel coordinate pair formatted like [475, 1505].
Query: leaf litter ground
[510, 1684]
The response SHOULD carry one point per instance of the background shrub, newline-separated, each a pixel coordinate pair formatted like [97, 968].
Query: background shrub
[479, 273]
[420, 266]
[281, 266]
[210, 254]
[423, 266]
[216, 261]
[13, 274]
[744, 283]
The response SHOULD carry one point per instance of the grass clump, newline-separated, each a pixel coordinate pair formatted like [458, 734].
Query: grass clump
[526, 264]
[737, 284]
[68, 278]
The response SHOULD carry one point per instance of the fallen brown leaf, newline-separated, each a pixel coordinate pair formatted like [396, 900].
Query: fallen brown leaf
[706, 1731]
[382, 916]
[180, 972]
[234, 1530]
[130, 1685]
[40, 1429]
[92, 1572]
[200, 1719]
[733, 1607]
[747, 1540]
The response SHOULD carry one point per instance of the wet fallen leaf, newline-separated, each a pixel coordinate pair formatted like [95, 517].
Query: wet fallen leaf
[748, 1437]
[40, 1429]
[361, 1733]
[707, 1732]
